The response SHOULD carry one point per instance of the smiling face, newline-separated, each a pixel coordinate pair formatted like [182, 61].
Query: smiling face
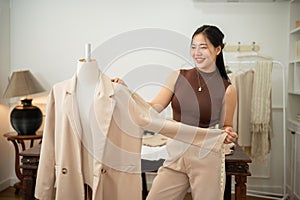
[204, 53]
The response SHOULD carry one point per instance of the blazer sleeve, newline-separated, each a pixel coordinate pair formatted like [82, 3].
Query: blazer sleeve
[146, 117]
[46, 173]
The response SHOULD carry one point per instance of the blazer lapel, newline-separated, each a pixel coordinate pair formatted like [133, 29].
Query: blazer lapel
[104, 104]
[71, 106]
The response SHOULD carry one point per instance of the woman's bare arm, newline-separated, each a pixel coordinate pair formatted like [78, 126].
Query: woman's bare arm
[229, 106]
[163, 98]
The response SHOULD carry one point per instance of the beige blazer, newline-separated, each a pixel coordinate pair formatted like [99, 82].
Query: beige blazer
[118, 120]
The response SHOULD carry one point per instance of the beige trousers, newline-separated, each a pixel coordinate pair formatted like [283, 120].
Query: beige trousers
[205, 177]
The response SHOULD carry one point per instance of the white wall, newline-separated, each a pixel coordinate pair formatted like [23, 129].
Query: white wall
[48, 36]
[7, 176]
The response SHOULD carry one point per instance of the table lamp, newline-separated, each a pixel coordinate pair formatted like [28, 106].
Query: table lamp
[25, 118]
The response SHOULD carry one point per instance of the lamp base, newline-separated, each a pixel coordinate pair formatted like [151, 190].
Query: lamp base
[26, 118]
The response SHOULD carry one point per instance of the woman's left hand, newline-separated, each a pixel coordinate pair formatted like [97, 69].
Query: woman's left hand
[231, 135]
[118, 80]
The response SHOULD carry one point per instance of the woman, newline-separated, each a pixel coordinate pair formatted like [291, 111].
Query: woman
[203, 97]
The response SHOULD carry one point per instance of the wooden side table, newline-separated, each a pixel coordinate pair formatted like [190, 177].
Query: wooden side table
[20, 145]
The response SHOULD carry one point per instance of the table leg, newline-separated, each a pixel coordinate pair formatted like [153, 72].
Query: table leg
[227, 192]
[28, 183]
[240, 187]
[88, 192]
[144, 182]
[18, 185]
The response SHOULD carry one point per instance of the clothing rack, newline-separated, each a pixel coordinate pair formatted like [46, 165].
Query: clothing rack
[265, 194]
[242, 47]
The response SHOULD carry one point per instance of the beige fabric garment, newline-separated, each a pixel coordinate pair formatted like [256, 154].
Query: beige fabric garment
[191, 172]
[156, 140]
[261, 110]
[119, 116]
[243, 82]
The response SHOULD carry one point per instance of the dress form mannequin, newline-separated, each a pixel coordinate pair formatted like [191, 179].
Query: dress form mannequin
[87, 81]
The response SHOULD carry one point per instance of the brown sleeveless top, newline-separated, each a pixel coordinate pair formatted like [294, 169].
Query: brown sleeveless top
[198, 108]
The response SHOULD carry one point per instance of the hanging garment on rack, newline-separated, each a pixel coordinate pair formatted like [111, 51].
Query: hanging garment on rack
[261, 110]
[264, 170]
[243, 82]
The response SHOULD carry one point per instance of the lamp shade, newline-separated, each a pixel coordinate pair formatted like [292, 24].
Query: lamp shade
[25, 118]
[22, 83]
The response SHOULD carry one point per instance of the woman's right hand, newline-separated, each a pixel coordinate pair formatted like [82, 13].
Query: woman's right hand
[231, 135]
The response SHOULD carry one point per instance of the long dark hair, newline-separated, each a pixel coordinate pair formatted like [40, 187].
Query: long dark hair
[216, 37]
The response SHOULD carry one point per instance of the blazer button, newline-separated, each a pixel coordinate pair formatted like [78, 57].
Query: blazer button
[64, 171]
[103, 171]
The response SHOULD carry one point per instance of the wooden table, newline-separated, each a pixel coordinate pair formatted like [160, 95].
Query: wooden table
[236, 165]
[19, 145]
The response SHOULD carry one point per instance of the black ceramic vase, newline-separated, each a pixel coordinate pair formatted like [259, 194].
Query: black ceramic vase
[25, 118]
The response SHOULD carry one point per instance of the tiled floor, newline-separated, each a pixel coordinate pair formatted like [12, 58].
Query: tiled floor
[9, 194]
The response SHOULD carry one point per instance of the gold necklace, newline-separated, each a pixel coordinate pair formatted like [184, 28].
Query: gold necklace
[198, 78]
